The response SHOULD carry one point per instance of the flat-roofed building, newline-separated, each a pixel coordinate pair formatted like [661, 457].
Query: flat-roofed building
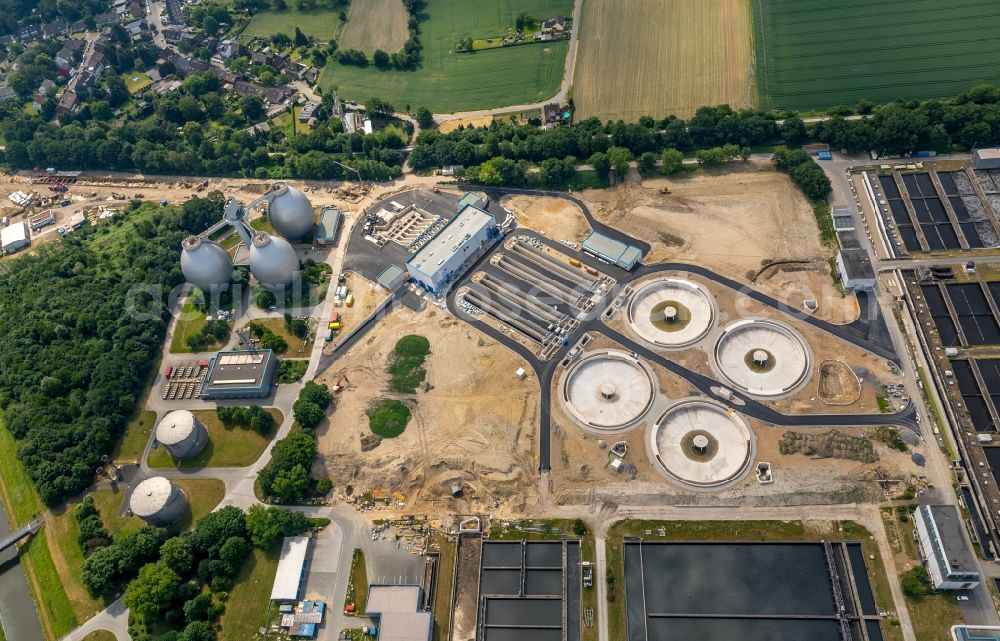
[986, 158]
[948, 556]
[611, 250]
[400, 613]
[855, 269]
[14, 237]
[291, 569]
[442, 258]
[326, 230]
[240, 374]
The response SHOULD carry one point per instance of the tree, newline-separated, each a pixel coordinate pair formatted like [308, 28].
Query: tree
[252, 107]
[198, 608]
[200, 630]
[210, 25]
[424, 118]
[267, 525]
[379, 107]
[317, 393]
[153, 590]
[599, 161]
[307, 413]
[300, 38]
[916, 583]
[672, 161]
[647, 163]
[290, 485]
[579, 527]
[381, 59]
[793, 131]
[234, 551]
[215, 528]
[619, 158]
[177, 555]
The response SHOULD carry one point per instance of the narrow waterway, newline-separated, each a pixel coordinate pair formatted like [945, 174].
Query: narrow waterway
[17, 610]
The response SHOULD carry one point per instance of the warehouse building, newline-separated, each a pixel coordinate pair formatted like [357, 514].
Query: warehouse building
[291, 569]
[442, 258]
[240, 374]
[326, 230]
[946, 551]
[14, 237]
[613, 251]
[986, 158]
[400, 613]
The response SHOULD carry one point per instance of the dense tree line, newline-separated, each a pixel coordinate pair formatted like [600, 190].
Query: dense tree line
[804, 172]
[80, 328]
[252, 416]
[900, 127]
[183, 585]
[286, 477]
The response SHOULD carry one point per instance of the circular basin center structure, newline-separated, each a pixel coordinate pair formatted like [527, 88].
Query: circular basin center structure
[608, 390]
[702, 445]
[763, 357]
[671, 312]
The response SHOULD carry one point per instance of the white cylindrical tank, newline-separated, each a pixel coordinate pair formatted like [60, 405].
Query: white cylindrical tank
[158, 502]
[272, 261]
[182, 434]
[205, 264]
[290, 212]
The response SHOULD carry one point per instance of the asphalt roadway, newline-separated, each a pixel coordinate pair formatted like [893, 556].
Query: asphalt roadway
[858, 333]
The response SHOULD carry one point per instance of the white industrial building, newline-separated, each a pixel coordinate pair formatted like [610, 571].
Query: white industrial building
[986, 158]
[14, 237]
[400, 613]
[441, 258]
[855, 269]
[947, 555]
[291, 569]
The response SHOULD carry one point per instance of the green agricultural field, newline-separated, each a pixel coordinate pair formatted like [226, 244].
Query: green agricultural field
[321, 24]
[448, 81]
[813, 54]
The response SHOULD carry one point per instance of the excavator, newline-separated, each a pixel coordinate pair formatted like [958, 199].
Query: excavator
[341, 384]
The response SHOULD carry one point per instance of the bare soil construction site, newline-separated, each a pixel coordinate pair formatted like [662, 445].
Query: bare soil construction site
[473, 423]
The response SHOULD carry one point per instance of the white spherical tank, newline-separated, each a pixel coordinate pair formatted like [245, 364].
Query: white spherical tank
[272, 261]
[182, 434]
[290, 212]
[205, 264]
[158, 502]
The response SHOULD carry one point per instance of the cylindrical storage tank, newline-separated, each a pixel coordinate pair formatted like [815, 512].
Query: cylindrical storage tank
[272, 261]
[205, 264]
[290, 212]
[158, 502]
[182, 434]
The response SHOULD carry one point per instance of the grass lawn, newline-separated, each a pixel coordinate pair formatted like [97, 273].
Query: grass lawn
[21, 503]
[98, 635]
[295, 345]
[445, 584]
[228, 446]
[284, 121]
[321, 24]
[189, 323]
[292, 370]
[137, 434]
[136, 81]
[388, 417]
[448, 81]
[357, 588]
[743, 531]
[230, 241]
[248, 606]
[261, 223]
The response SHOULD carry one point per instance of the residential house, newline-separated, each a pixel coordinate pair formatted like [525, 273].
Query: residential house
[6, 40]
[67, 56]
[308, 112]
[78, 27]
[232, 49]
[30, 33]
[55, 28]
[7, 93]
[104, 19]
[312, 75]
[68, 103]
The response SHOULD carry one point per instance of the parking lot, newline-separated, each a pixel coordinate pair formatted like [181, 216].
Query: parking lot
[536, 290]
[184, 380]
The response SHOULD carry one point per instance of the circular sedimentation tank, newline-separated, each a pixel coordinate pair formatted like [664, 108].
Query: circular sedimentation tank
[671, 312]
[702, 445]
[290, 212]
[763, 357]
[608, 390]
[206, 264]
[158, 502]
[182, 434]
[273, 261]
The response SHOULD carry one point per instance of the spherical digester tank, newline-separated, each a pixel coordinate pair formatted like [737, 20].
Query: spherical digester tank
[205, 264]
[272, 261]
[290, 212]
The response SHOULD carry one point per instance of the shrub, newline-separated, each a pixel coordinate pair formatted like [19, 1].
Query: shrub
[388, 417]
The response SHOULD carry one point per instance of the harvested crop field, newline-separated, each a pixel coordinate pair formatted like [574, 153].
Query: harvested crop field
[661, 57]
[812, 54]
[321, 24]
[375, 24]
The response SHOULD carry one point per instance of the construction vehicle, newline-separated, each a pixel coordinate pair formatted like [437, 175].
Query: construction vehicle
[664, 190]
[335, 325]
[202, 186]
[118, 196]
[575, 262]
[341, 384]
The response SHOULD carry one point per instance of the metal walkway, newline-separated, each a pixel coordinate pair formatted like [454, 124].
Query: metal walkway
[19, 533]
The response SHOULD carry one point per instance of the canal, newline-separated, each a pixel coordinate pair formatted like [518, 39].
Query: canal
[17, 610]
